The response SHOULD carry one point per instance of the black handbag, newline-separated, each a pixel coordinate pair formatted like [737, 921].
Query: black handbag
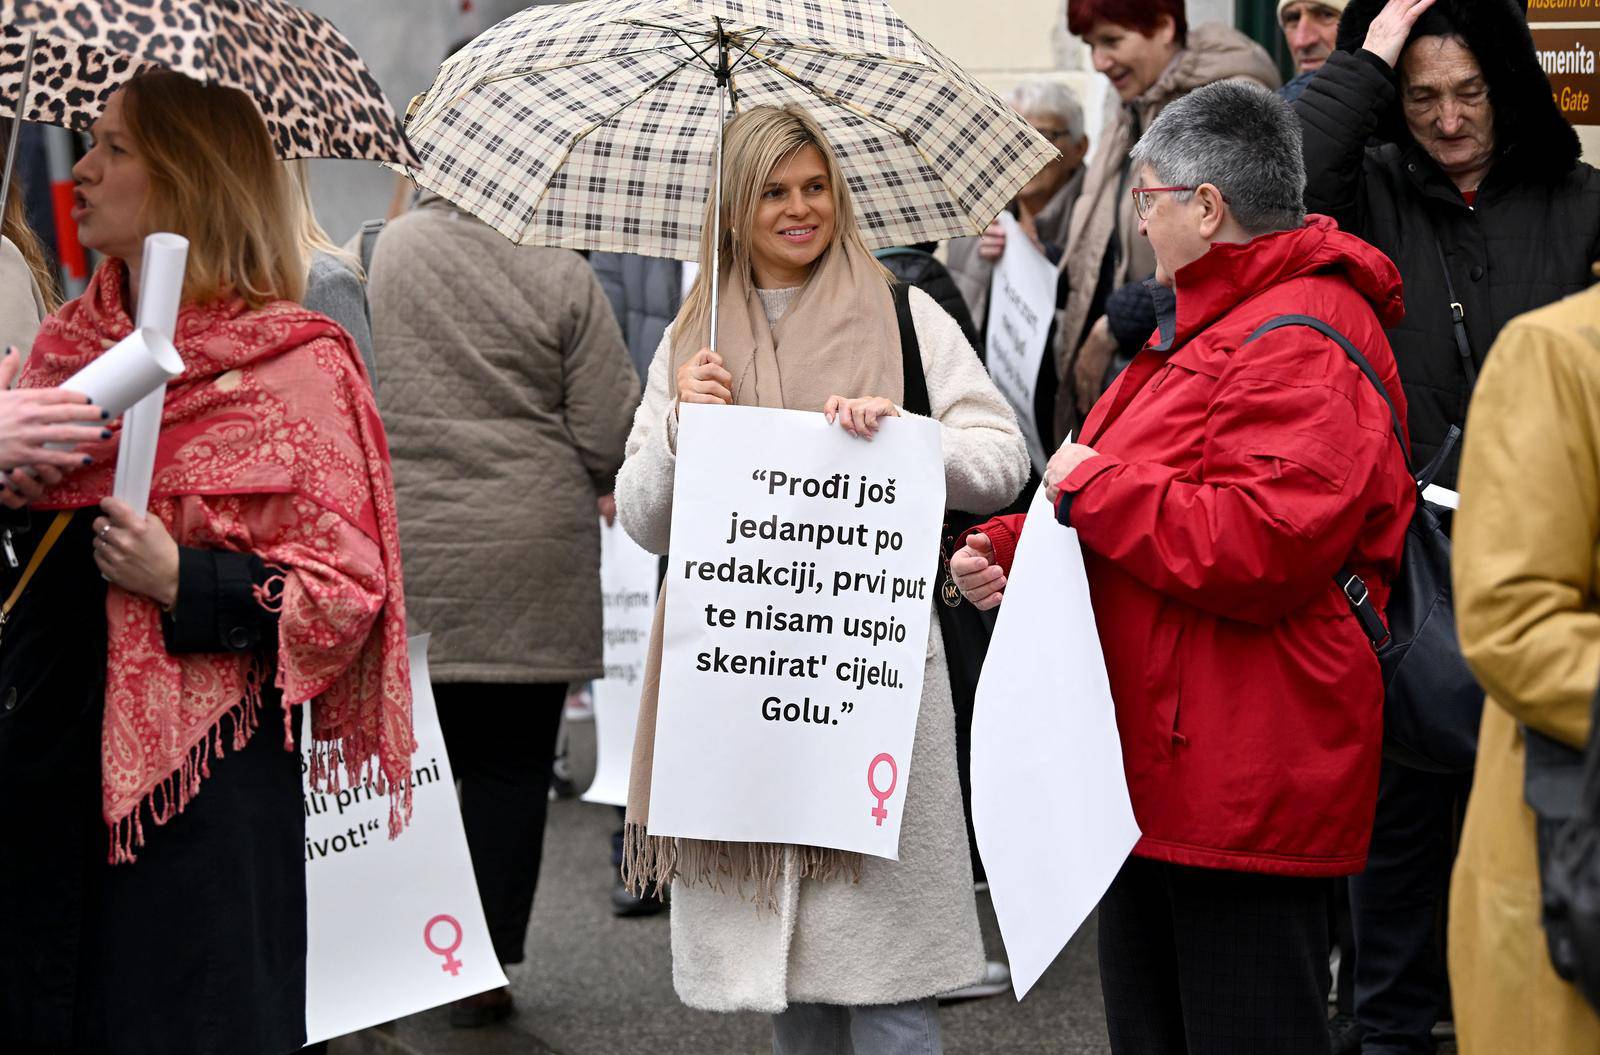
[1562, 786]
[1432, 703]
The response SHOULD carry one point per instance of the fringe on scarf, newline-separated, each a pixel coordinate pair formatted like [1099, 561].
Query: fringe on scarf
[328, 773]
[650, 862]
[169, 797]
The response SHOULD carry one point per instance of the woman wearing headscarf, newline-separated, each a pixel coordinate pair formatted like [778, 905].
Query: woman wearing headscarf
[1432, 133]
[152, 668]
[841, 949]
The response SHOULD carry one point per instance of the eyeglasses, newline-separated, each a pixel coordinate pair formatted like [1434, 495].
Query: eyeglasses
[1144, 197]
[1055, 135]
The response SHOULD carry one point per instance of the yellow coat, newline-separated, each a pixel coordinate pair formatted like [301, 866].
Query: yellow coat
[1527, 586]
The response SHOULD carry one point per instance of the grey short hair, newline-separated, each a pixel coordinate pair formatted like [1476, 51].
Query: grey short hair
[1049, 97]
[1242, 139]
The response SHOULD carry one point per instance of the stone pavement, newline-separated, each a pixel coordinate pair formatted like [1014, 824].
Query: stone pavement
[596, 985]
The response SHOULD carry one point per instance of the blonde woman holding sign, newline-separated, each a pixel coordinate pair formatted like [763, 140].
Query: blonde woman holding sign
[846, 952]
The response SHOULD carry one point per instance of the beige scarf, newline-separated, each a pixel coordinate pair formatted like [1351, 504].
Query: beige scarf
[839, 337]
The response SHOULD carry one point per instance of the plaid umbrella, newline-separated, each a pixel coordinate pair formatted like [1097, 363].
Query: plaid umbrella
[317, 95]
[595, 125]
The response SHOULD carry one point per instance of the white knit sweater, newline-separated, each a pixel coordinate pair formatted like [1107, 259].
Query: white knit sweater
[909, 929]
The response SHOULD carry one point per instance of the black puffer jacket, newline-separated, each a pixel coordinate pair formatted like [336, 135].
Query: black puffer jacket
[1530, 240]
[915, 265]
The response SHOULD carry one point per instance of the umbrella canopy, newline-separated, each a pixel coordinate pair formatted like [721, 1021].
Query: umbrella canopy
[593, 125]
[316, 94]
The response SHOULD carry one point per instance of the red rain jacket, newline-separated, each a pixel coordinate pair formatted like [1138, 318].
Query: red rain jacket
[1233, 481]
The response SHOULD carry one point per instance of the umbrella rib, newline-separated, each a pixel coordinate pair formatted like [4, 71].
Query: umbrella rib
[887, 60]
[783, 44]
[699, 53]
[733, 91]
[834, 100]
[531, 72]
[580, 137]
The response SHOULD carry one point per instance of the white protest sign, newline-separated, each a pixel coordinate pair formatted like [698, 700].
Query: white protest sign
[1022, 304]
[1049, 795]
[628, 596]
[798, 600]
[393, 927]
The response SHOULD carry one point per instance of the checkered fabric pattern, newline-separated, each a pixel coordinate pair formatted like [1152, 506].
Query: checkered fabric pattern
[593, 125]
[316, 94]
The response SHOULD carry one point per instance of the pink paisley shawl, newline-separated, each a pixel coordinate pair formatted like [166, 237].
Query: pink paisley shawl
[270, 443]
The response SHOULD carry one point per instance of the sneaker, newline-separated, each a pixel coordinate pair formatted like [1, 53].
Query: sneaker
[1344, 1034]
[625, 906]
[482, 1009]
[996, 980]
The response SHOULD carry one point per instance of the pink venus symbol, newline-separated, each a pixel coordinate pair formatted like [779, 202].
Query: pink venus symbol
[451, 964]
[882, 794]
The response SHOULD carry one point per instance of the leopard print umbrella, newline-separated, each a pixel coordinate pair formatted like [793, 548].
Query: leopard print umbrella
[317, 95]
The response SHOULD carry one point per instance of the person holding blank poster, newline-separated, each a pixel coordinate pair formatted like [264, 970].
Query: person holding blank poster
[152, 666]
[832, 944]
[1219, 488]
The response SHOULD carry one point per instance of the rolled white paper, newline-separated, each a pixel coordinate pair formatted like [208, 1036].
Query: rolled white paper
[161, 282]
[160, 291]
[136, 453]
[141, 363]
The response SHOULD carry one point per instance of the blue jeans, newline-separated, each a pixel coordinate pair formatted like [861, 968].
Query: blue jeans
[911, 1028]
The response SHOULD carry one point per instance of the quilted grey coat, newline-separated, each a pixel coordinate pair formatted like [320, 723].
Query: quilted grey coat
[507, 394]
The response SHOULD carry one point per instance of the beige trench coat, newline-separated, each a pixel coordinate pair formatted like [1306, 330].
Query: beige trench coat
[1527, 580]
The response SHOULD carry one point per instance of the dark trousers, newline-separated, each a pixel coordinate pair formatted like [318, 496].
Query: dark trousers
[502, 743]
[1398, 907]
[1198, 961]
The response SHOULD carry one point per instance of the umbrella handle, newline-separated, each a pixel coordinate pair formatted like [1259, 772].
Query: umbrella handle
[716, 212]
[716, 181]
[16, 122]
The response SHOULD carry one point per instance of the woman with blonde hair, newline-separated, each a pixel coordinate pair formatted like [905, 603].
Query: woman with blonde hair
[336, 285]
[152, 667]
[27, 291]
[846, 952]
[39, 427]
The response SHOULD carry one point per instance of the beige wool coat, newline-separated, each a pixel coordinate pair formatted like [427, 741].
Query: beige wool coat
[1526, 566]
[909, 929]
[507, 392]
[21, 305]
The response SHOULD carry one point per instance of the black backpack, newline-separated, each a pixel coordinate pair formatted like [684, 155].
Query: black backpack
[1432, 703]
[1562, 786]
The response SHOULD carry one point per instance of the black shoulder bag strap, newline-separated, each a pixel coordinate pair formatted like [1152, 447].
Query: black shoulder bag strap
[915, 398]
[1350, 584]
[1458, 316]
[369, 244]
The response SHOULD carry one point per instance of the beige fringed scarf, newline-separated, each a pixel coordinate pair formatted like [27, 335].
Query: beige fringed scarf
[839, 337]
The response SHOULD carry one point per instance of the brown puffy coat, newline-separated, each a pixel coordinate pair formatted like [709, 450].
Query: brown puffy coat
[508, 393]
